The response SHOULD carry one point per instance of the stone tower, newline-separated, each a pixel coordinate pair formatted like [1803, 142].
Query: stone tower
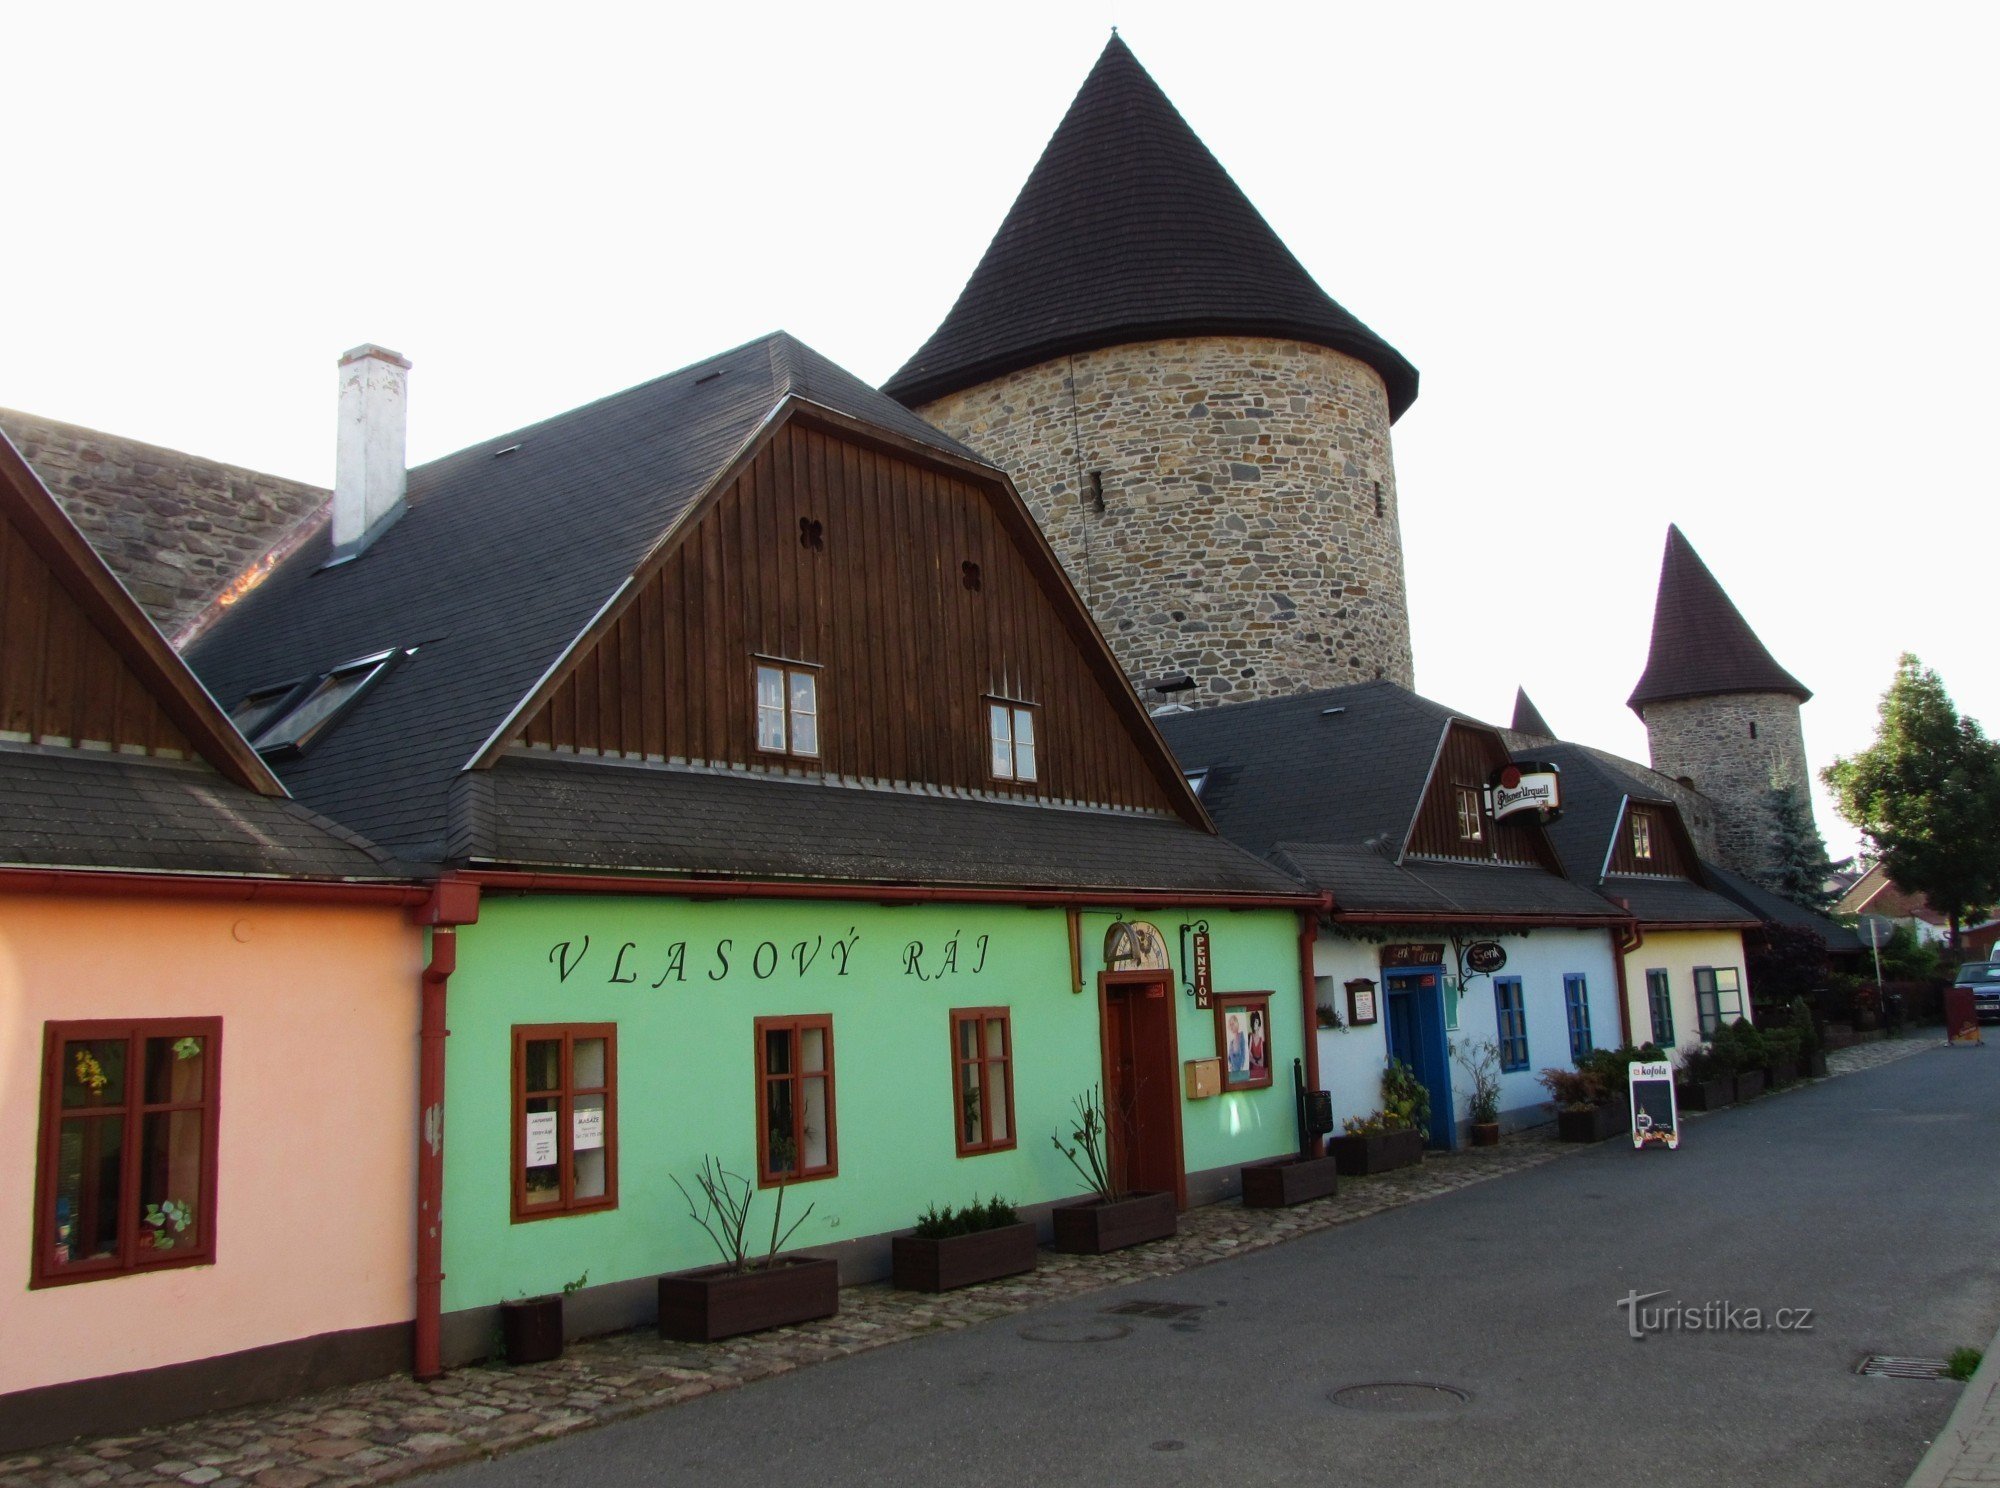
[1202, 432]
[1720, 713]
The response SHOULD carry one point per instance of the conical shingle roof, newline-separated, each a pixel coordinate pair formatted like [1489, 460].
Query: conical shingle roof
[1702, 645]
[1130, 230]
[1528, 718]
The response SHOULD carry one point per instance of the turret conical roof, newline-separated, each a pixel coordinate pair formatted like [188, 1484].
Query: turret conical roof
[1702, 645]
[1528, 718]
[1130, 230]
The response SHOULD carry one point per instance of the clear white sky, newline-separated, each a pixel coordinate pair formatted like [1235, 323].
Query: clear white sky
[1726, 265]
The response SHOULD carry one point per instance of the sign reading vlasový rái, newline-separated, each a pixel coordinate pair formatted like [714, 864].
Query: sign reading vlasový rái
[601, 962]
[1655, 1112]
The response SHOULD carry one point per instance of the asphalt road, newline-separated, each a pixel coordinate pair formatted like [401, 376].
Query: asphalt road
[1874, 1200]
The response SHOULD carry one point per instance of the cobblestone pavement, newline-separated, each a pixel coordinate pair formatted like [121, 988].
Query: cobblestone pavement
[1858, 1057]
[391, 1428]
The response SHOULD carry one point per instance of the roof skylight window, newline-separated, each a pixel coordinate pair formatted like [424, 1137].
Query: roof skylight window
[286, 720]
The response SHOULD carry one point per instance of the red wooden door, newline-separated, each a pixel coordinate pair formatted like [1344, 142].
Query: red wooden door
[1141, 1094]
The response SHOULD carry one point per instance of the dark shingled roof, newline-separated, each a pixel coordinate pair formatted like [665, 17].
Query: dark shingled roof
[1528, 718]
[1776, 909]
[1130, 230]
[68, 809]
[1363, 880]
[606, 815]
[1702, 645]
[495, 568]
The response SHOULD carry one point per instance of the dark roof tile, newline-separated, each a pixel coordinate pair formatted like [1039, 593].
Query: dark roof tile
[1702, 645]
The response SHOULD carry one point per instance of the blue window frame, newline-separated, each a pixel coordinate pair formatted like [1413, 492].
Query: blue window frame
[1576, 1001]
[1661, 1000]
[1512, 1017]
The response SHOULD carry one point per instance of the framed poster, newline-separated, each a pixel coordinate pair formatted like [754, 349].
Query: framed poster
[1655, 1113]
[1243, 1039]
[1360, 1003]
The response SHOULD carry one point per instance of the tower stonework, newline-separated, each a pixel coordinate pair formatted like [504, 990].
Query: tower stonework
[1719, 711]
[1201, 431]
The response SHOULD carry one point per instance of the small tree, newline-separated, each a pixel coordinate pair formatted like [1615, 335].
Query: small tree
[1785, 962]
[1799, 866]
[1926, 793]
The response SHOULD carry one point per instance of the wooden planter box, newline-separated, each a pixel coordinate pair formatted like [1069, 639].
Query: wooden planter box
[702, 1306]
[1749, 1083]
[1484, 1133]
[1598, 1124]
[1815, 1066]
[531, 1331]
[1706, 1095]
[1781, 1072]
[1288, 1181]
[962, 1260]
[1095, 1227]
[1377, 1152]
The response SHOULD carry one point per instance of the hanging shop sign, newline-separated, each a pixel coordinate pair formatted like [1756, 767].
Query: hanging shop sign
[1135, 945]
[1424, 954]
[1655, 1113]
[1531, 785]
[1204, 979]
[1360, 1002]
[1484, 957]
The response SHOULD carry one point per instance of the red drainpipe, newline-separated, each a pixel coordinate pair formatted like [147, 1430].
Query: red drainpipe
[450, 905]
[1619, 951]
[1309, 1002]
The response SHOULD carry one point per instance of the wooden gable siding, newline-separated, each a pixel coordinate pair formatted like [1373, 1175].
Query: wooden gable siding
[1468, 758]
[61, 680]
[907, 650]
[1672, 856]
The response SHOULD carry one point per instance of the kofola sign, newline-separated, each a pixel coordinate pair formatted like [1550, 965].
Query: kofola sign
[1655, 1114]
[1528, 786]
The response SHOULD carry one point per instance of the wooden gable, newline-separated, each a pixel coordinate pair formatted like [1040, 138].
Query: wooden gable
[918, 588]
[1466, 759]
[80, 664]
[1673, 849]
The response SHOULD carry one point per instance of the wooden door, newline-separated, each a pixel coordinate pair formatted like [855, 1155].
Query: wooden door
[1141, 1086]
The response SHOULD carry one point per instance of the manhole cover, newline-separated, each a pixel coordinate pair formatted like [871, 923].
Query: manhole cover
[1891, 1366]
[1400, 1398]
[1081, 1331]
[1139, 1307]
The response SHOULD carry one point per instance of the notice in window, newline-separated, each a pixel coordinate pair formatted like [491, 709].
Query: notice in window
[541, 1140]
[586, 1128]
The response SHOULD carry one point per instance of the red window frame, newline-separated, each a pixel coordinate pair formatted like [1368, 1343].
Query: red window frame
[995, 1071]
[565, 1094]
[768, 1176]
[130, 1111]
[1254, 1002]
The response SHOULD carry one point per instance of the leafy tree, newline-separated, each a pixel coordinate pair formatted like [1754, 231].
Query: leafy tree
[1926, 793]
[1784, 962]
[1799, 866]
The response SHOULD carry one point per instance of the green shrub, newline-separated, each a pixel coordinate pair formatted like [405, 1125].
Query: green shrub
[1573, 1089]
[1406, 1102]
[941, 1224]
[1964, 1363]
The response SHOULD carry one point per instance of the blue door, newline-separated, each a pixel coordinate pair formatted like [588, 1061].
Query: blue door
[1417, 1038]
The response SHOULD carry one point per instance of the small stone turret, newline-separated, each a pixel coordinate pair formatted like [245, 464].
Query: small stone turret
[1201, 431]
[1720, 713]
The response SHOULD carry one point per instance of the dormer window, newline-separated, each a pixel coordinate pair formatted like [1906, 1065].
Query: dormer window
[1471, 828]
[285, 720]
[788, 708]
[1197, 779]
[1642, 836]
[1010, 728]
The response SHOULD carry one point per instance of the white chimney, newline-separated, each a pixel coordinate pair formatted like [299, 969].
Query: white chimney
[368, 474]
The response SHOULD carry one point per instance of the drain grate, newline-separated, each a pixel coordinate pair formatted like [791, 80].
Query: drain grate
[1893, 1366]
[1083, 1330]
[1139, 1307]
[1400, 1397]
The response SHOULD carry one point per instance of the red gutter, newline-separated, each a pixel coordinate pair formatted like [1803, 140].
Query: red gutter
[1309, 1002]
[507, 880]
[122, 885]
[1619, 951]
[450, 905]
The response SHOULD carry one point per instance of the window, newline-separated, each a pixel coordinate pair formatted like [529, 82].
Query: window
[1010, 728]
[1197, 779]
[1243, 1038]
[285, 720]
[1576, 1002]
[565, 1118]
[1469, 825]
[1642, 835]
[795, 1137]
[1662, 1003]
[127, 1161]
[982, 1079]
[788, 708]
[1718, 997]
[1512, 1018]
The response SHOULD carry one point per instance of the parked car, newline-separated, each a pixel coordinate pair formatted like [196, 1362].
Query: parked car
[1983, 977]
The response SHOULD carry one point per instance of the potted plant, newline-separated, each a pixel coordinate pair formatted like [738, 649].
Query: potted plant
[1781, 1056]
[1706, 1080]
[1746, 1044]
[1583, 1111]
[1392, 1137]
[958, 1248]
[743, 1294]
[1812, 1047]
[531, 1328]
[1481, 1060]
[1111, 1218]
[1328, 1016]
